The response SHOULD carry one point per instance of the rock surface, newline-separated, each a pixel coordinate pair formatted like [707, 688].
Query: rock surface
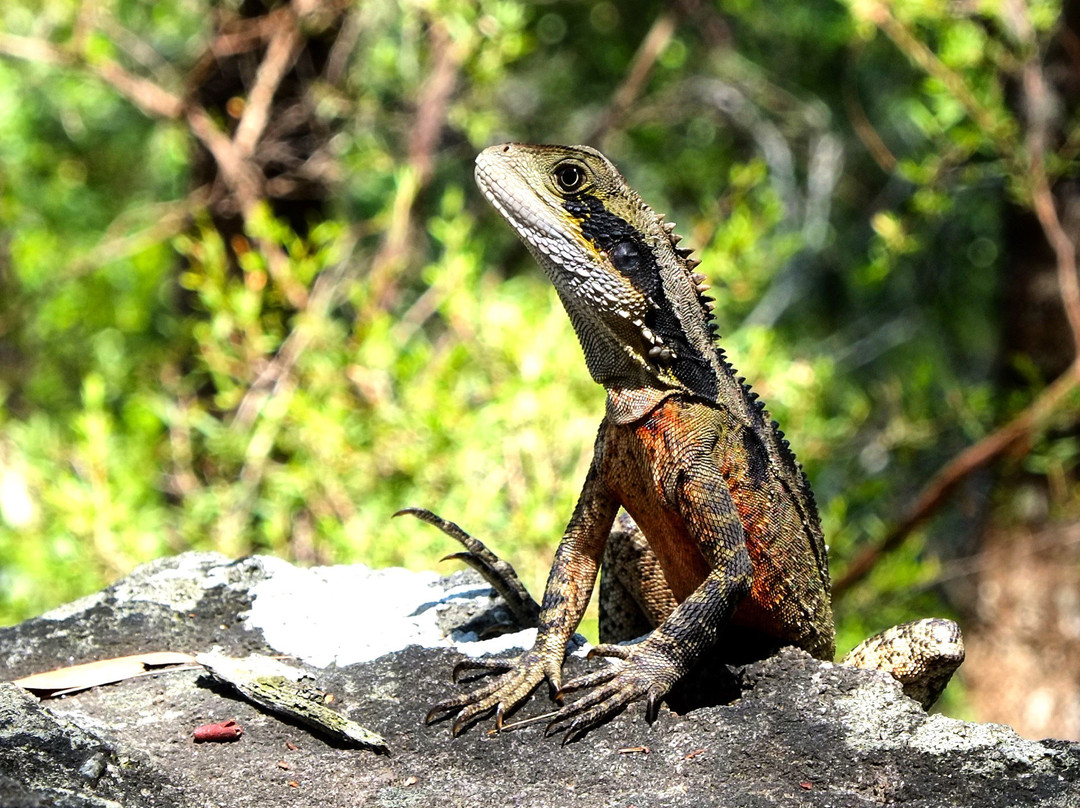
[798, 732]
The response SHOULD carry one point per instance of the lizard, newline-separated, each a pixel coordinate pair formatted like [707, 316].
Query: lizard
[694, 506]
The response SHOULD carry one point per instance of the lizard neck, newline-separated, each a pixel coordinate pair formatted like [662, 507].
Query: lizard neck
[627, 405]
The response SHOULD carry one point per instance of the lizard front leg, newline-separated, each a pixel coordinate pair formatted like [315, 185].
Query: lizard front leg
[649, 668]
[566, 595]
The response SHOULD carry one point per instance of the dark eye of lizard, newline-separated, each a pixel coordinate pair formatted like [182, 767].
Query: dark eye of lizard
[569, 176]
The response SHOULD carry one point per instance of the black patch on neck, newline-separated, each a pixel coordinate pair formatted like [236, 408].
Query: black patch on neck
[605, 231]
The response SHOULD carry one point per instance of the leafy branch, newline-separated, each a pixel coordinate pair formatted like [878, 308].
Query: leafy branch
[1032, 175]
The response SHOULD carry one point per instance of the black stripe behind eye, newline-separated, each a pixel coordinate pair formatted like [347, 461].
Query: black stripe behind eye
[636, 261]
[606, 232]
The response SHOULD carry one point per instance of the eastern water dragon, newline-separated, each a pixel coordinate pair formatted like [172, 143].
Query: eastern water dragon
[717, 555]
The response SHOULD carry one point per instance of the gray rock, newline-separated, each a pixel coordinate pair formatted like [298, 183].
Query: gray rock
[786, 731]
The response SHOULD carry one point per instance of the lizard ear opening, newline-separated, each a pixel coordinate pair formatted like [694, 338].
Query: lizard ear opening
[625, 256]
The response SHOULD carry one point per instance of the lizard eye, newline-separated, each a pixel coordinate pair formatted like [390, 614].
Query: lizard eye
[569, 176]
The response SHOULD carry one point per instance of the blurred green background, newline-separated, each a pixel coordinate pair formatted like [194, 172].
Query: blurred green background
[251, 301]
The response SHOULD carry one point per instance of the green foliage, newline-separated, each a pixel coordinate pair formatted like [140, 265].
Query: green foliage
[159, 395]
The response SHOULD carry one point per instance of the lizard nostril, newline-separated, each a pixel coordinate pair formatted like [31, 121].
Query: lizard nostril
[506, 148]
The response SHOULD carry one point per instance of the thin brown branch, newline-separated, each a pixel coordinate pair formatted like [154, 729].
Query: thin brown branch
[433, 102]
[149, 97]
[658, 37]
[866, 132]
[941, 486]
[85, 21]
[248, 186]
[1064, 250]
[343, 48]
[237, 172]
[917, 51]
[233, 156]
[281, 53]
[33, 50]
[234, 37]
[431, 111]
[237, 35]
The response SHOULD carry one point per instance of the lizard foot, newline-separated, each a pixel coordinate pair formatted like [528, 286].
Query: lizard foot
[516, 679]
[640, 672]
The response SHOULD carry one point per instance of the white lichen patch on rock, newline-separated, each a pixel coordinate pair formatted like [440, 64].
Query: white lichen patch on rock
[348, 614]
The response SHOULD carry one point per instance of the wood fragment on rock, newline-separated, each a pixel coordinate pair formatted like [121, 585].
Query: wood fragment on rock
[288, 691]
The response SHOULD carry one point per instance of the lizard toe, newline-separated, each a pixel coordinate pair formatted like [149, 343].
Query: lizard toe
[462, 702]
[586, 713]
[503, 697]
[611, 650]
[641, 675]
[587, 680]
[483, 667]
[473, 713]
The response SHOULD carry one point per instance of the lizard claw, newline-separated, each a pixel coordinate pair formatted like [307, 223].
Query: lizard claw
[598, 677]
[599, 707]
[471, 714]
[582, 715]
[458, 704]
[480, 701]
[469, 708]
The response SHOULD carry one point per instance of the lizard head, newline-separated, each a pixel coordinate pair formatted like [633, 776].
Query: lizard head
[632, 295]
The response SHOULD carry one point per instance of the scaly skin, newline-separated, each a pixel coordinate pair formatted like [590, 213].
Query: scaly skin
[725, 541]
